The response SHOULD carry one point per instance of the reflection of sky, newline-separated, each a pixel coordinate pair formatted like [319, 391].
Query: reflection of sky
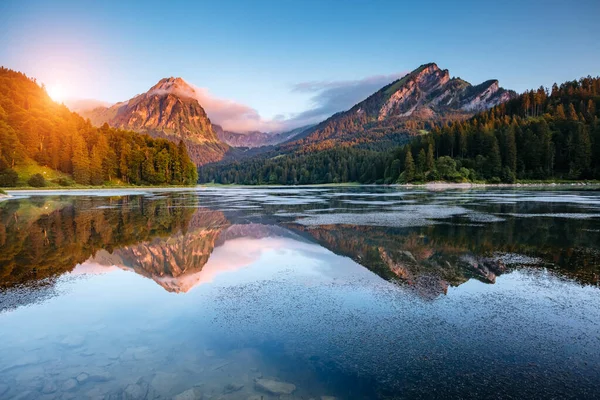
[315, 303]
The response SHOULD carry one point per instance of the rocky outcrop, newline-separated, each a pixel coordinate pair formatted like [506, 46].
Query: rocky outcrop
[169, 110]
[413, 91]
[422, 98]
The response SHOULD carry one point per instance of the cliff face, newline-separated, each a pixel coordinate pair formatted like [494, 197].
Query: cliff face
[168, 110]
[431, 89]
[423, 97]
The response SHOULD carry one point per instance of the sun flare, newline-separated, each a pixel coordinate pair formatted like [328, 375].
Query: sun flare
[56, 92]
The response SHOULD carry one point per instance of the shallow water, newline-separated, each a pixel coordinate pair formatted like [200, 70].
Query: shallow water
[357, 293]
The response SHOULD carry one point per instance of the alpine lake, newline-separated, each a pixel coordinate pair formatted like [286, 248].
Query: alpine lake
[360, 292]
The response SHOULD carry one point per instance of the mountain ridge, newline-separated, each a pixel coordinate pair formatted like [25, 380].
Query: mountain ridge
[167, 110]
[416, 101]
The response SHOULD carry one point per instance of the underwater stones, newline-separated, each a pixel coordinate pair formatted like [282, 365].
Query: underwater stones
[24, 361]
[82, 377]
[26, 395]
[232, 387]
[190, 394]
[69, 384]
[3, 388]
[48, 387]
[164, 382]
[135, 353]
[274, 387]
[135, 391]
[97, 376]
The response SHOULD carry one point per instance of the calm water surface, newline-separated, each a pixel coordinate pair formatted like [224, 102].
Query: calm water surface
[356, 293]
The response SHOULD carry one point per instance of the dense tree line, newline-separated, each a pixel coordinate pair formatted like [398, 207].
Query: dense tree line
[335, 165]
[541, 134]
[33, 128]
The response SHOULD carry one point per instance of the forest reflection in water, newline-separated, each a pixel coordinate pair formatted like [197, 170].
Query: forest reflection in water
[263, 270]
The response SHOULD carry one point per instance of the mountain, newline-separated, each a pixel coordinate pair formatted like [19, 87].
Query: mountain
[540, 134]
[168, 110]
[419, 100]
[256, 138]
[43, 142]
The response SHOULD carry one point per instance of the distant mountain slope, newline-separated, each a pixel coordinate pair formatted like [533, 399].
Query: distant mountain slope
[416, 101]
[168, 110]
[256, 138]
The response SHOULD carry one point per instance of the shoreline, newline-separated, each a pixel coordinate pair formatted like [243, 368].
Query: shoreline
[468, 185]
[433, 186]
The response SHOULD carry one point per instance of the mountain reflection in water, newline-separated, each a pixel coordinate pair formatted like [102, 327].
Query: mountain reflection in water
[293, 288]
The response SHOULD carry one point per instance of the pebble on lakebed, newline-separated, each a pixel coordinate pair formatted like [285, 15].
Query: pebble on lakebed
[274, 387]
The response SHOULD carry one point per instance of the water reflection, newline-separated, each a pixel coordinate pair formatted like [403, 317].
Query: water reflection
[470, 293]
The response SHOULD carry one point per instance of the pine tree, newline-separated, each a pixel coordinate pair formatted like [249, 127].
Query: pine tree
[394, 170]
[560, 112]
[510, 150]
[409, 166]
[96, 170]
[421, 162]
[494, 159]
[571, 113]
[430, 159]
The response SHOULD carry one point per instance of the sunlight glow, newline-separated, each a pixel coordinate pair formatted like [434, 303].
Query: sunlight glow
[56, 93]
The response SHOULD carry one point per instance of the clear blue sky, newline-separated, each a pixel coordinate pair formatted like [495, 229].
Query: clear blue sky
[255, 52]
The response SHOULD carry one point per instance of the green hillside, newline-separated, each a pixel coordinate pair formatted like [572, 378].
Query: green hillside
[43, 143]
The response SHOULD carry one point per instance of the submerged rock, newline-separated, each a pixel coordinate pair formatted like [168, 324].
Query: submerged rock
[135, 391]
[164, 383]
[3, 388]
[232, 387]
[24, 361]
[274, 387]
[96, 376]
[49, 387]
[69, 385]
[82, 377]
[190, 394]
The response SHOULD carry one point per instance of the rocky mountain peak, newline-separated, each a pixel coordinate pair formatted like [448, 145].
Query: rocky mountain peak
[424, 97]
[169, 110]
[171, 85]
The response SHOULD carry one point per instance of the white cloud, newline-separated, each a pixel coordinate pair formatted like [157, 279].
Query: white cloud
[328, 97]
